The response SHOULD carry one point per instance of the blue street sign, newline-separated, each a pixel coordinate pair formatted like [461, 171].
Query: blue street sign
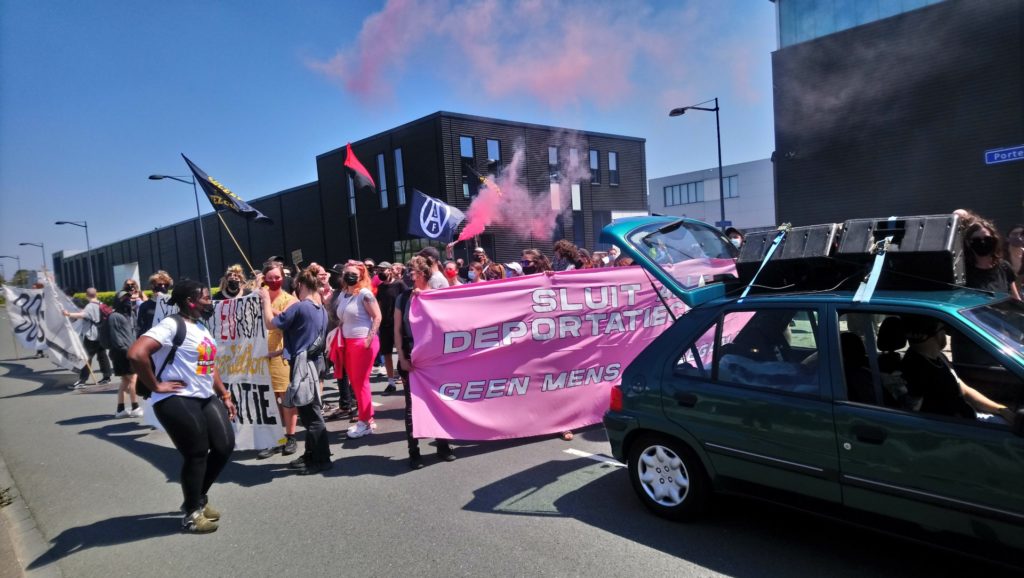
[997, 156]
[723, 224]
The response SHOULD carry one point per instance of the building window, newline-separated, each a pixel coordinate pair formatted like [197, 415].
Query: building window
[493, 156]
[684, 194]
[613, 168]
[574, 160]
[577, 201]
[730, 186]
[400, 175]
[595, 167]
[553, 168]
[351, 197]
[382, 181]
[556, 197]
[466, 147]
[577, 228]
[470, 182]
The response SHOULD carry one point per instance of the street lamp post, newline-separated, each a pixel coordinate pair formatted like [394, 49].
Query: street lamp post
[199, 217]
[718, 135]
[42, 249]
[18, 259]
[88, 246]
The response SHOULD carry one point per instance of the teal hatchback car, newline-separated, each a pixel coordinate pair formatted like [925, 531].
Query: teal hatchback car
[902, 406]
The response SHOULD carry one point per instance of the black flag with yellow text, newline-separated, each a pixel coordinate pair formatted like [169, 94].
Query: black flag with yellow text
[222, 198]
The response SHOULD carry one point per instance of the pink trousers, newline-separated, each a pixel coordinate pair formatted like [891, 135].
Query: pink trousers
[358, 363]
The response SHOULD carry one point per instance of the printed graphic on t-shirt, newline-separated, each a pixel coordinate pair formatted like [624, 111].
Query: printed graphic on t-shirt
[207, 353]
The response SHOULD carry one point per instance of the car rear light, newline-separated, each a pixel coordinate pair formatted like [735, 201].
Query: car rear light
[616, 401]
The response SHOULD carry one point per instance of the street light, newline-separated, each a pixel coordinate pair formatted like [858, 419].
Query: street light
[88, 247]
[18, 259]
[718, 133]
[199, 217]
[41, 248]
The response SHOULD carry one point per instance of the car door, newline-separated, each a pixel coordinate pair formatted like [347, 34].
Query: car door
[944, 473]
[759, 419]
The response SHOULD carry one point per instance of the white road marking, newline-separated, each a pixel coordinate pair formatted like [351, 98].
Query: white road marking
[595, 457]
[377, 404]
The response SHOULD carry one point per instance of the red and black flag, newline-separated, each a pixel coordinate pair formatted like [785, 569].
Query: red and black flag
[222, 198]
[360, 176]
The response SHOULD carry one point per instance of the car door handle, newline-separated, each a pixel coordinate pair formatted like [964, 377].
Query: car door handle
[869, 434]
[686, 399]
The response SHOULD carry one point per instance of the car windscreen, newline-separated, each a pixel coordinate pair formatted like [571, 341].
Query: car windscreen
[1003, 320]
[692, 253]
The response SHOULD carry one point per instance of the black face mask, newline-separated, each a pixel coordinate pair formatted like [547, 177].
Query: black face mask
[206, 311]
[382, 276]
[528, 268]
[233, 286]
[350, 278]
[983, 247]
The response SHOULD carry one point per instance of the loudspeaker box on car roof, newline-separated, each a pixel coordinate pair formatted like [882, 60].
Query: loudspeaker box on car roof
[924, 249]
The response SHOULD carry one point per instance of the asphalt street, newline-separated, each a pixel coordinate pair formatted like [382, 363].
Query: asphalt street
[103, 494]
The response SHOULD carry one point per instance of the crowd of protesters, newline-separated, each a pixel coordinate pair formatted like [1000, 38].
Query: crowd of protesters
[352, 318]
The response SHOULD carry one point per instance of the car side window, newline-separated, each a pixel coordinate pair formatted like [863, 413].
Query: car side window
[921, 364]
[771, 349]
[695, 361]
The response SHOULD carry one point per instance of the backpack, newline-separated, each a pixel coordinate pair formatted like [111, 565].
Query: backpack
[104, 326]
[179, 338]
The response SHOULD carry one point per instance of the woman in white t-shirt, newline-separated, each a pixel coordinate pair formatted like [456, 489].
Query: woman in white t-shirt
[360, 318]
[189, 398]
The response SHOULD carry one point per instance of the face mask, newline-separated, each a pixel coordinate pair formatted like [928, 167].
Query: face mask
[350, 278]
[736, 242]
[529, 269]
[984, 246]
[233, 285]
[450, 273]
[274, 285]
[472, 275]
[160, 288]
[382, 276]
[206, 311]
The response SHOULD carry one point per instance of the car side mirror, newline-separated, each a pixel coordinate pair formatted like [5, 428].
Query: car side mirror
[1018, 423]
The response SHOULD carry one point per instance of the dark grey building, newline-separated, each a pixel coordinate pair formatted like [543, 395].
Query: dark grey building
[886, 108]
[328, 222]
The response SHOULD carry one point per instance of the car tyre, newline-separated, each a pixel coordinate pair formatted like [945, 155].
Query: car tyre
[668, 477]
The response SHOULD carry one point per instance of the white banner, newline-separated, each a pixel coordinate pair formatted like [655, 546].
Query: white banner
[25, 308]
[237, 326]
[64, 346]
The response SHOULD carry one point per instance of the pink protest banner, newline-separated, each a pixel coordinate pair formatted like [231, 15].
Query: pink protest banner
[531, 355]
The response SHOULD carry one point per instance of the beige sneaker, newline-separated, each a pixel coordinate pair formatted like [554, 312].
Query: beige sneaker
[210, 514]
[197, 523]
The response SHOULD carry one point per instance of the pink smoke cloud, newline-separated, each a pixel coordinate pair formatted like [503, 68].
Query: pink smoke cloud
[561, 54]
[506, 202]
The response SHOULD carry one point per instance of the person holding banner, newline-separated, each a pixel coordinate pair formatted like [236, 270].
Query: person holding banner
[359, 317]
[189, 399]
[232, 284]
[420, 270]
[280, 301]
[89, 331]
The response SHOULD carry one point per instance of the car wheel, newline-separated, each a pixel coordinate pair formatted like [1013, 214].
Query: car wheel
[668, 477]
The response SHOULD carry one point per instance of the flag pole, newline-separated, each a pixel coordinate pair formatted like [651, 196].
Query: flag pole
[202, 235]
[240, 251]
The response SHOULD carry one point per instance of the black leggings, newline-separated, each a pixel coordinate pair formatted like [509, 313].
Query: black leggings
[413, 443]
[201, 431]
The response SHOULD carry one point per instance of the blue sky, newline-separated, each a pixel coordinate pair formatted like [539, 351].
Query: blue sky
[95, 96]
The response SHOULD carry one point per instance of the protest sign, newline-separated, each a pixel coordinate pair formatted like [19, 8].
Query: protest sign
[25, 308]
[531, 355]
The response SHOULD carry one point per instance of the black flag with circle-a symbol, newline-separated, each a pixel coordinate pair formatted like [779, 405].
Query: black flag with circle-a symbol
[431, 218]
